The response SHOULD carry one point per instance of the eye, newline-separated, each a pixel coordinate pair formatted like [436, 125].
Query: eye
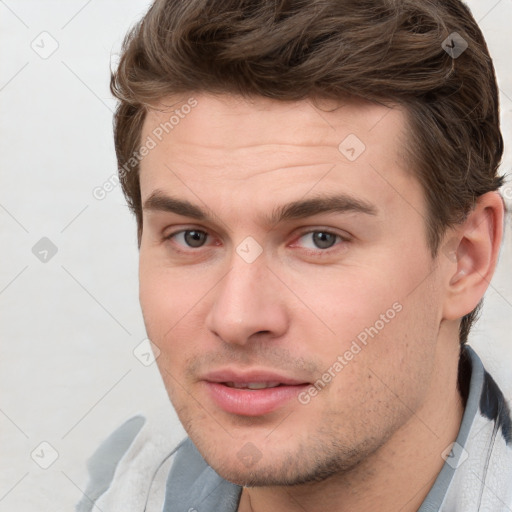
[315, 240]
[320, 239]
[192, 238]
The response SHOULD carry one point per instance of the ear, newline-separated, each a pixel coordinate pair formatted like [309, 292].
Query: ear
[472, 252]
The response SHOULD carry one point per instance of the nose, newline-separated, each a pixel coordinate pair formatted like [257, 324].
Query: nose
[248, 303]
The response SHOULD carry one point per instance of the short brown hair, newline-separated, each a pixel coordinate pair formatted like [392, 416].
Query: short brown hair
[390, 51]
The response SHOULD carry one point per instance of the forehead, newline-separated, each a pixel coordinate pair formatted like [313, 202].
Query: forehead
[265, 149]
[233, 122]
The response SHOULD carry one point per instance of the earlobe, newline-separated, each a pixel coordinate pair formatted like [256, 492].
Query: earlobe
[475, 248]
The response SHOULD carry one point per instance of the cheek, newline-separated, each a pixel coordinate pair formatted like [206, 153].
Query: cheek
[166, 294]
[165, 305]
[374, 387]
[354, 304]
[383, 324]
[390, 365]
[174, 303]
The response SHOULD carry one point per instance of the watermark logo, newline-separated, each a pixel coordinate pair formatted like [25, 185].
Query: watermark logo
[44, 250]
[146, 352]
[249, 454]
[45, 45]
[249, 249]
[454, 455]
[507, 192]
[44, 455]
[454, 45]
[351, 147]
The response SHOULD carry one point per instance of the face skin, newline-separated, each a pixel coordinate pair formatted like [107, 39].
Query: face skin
[374, 434]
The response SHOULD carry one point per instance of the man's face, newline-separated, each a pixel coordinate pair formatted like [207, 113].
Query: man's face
[339, 306]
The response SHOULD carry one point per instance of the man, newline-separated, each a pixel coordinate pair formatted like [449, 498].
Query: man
[315, 187]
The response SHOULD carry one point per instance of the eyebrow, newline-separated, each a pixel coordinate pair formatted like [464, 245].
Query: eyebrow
[300, 209]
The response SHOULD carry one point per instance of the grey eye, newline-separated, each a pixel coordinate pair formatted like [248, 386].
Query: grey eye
[323, 239]
[194, 238]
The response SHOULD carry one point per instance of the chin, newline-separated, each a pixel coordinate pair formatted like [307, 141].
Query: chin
[286, 469]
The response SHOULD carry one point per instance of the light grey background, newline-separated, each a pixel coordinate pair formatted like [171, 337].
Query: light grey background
[68, 374]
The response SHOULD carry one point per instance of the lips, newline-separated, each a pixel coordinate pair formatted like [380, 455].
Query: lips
[251, 393]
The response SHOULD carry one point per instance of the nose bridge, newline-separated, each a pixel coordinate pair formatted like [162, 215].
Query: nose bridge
[247, 299]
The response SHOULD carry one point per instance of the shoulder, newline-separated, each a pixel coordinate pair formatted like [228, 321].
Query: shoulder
[128, 470]
[479, 475]
[486, 397]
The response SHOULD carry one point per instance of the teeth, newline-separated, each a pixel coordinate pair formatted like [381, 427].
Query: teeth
[252, 385]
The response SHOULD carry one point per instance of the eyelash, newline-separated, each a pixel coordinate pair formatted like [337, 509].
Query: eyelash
[317, 252]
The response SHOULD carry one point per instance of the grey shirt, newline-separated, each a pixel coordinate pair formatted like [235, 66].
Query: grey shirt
[135, 470]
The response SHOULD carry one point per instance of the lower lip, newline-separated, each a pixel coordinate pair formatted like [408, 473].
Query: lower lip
[246, 402]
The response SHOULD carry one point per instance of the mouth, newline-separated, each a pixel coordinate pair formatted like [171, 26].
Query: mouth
[252, 385]
[251, 394]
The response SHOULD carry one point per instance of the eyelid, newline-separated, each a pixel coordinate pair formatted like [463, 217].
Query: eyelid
[342, 238]
[332, 231]
[169, 236]
[305, 231]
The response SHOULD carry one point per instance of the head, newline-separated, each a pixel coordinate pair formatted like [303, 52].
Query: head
[246, 124]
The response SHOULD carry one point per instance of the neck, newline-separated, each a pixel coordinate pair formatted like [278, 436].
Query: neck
[398, 476]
